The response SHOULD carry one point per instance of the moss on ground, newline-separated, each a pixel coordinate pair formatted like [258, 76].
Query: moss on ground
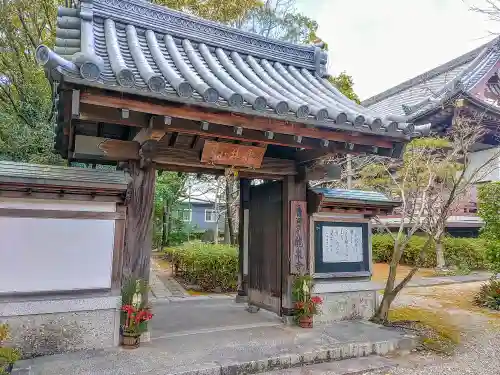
[435, 328]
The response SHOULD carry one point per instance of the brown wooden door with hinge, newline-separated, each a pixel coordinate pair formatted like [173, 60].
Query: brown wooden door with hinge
[265, 245]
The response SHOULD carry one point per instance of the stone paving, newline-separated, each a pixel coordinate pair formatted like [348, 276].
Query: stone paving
[220, 337]
[163, 285]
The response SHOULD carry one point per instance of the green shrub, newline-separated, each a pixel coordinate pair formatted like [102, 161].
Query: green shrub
[207, 265]
[382, 248]
[464, 253]
[493, 256]
[489, 295]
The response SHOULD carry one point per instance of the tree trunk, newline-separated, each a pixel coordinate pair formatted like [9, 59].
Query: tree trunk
[440, 261]
[229, 215]
[138, 237]
[164, 224]
[382, 313]
[169, 225]
[227, 237]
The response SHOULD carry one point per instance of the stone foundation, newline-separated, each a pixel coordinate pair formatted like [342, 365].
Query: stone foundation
[51, 325]
[346, 301]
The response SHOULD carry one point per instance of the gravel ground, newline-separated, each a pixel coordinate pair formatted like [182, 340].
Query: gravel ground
[479, 352]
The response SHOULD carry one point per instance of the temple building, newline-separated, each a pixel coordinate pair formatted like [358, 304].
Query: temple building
[469, 85]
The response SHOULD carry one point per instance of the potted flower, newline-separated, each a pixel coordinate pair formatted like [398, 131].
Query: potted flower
[135, 324]
[8, 356]
[135, 312]
[305, 305]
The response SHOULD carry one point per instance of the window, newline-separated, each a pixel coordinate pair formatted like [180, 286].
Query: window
[210, 216]
[185, 215]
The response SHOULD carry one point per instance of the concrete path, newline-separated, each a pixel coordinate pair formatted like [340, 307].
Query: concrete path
[442, 280]
[163, 285]
[218, 337]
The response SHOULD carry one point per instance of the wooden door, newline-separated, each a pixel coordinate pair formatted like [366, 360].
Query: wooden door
[265, 245]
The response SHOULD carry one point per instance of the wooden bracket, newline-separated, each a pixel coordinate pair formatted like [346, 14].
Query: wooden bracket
[318, 172]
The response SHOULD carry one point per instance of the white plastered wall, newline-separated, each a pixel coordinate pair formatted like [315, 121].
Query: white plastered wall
[50, 255]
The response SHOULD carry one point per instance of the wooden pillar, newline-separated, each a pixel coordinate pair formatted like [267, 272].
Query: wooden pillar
[243, 240]
[292, 191]
[138, 236]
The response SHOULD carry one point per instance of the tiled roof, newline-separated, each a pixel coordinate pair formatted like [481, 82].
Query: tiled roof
[12, 172]
[138, 47]
[429, 90]
[357, 195]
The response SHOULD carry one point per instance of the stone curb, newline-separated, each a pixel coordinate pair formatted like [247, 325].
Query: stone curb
[327, 354]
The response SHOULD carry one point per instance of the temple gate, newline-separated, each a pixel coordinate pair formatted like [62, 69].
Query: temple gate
[145, 88]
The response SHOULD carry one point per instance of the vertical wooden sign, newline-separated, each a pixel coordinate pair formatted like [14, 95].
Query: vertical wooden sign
[298, 237]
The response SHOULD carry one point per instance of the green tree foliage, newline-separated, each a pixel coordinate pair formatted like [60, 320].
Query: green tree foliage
[279, 19]
[170, 187]
[488, 210]
[26, 109]
[276, 19]
[230, 12]
[26, 105]
[345, 83]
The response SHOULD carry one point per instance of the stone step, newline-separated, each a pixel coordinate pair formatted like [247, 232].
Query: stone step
[232, 350]
[352, 366]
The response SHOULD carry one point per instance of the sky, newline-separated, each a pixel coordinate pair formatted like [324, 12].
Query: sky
[382, 43]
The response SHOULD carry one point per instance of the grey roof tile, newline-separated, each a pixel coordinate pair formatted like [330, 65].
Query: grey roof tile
[357, 195]
[135, 46]
[416, 96]
[13, 172]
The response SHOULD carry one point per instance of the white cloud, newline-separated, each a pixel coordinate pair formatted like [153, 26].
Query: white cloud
[382, 43]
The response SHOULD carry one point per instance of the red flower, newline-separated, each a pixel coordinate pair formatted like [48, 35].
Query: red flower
[316, 300]
[128, 308]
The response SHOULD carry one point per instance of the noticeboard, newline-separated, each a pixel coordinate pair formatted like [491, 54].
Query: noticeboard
[341, 249]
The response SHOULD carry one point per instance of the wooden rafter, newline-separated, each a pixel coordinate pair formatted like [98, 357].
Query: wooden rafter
[247, 122]
[96, 148]
[111, 116]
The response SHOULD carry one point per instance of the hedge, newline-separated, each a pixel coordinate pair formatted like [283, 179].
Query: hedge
[469, 253]
[211, 267]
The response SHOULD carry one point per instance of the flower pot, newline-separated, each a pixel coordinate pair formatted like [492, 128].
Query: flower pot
[306, 322]
[131, 341]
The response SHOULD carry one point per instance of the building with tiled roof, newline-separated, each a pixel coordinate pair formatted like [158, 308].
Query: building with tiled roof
[469, 83]
[430, 98]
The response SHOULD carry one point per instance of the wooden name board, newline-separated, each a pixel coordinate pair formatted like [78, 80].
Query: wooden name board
[232, 154]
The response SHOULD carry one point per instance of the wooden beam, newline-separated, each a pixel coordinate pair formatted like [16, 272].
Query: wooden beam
[231, 119]
[319, 172]
[195, 140]
[173, 139]
[166, 156]
[102, 114]
[93, 113]
[151, 133]
[96, 148]
[148, 134]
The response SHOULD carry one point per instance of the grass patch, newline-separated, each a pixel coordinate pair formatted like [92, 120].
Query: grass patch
[196, 293]
[162, 263]
[381, 272]
[458, 297]
[435, 329]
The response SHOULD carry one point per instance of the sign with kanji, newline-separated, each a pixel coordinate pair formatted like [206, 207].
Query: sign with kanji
[232, 154]
[298, 237]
